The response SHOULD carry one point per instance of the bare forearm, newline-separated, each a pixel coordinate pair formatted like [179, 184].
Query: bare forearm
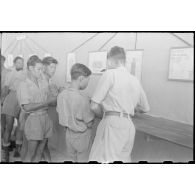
[35, 106]
[97, 109]
[90, 124]
[98, 113]
[139, 109]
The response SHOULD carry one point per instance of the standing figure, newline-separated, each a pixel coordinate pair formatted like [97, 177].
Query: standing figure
[75, 115]
[4, 72]
[117, 94]
[33, 94]
[11, 108]
[49, 69]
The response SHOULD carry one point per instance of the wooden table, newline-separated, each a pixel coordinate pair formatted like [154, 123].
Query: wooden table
[176, 132]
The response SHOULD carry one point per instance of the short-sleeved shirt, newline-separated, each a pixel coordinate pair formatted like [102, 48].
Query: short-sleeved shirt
[28, 92]
[14, 78]
[120, 91]
[74, 110]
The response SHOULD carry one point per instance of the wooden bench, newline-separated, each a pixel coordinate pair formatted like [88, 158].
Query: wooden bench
[176, 132]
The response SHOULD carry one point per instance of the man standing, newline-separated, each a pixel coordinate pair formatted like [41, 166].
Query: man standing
[11, 108]
[117, 95]
[4, 72]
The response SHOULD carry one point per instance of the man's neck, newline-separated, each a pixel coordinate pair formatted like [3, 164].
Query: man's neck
[74, 85]
[48, 77]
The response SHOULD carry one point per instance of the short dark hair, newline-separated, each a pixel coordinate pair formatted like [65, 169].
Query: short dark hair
[117, 53]
[17, 58]
[33, 60]
[3, 58]
[49, 60]
[79, 70]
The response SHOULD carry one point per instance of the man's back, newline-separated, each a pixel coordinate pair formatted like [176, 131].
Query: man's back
[73, 110]
[120, 91]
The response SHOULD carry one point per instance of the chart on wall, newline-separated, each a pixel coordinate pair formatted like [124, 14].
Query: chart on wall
[71, 59]
[134, 60]
[97, 61]
[181, 65]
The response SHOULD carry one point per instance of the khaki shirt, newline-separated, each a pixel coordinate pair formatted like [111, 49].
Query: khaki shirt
[28, 92]
[120, 91]
[74, 110]
[14, 78]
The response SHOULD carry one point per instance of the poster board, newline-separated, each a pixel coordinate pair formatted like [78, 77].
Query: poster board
[71, 60]
[9, 61]
[181, 64]
[134, 59]
[97, 62]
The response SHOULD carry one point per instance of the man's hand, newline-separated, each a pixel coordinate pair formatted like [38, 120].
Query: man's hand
[61, 89]
[90, 124]
[139, 110]
[52, 101]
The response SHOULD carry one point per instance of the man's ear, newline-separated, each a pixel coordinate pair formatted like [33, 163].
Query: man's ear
[81, 78]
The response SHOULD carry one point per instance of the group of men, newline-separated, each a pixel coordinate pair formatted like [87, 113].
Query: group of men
[40, 106]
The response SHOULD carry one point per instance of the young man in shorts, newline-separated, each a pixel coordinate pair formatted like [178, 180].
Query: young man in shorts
[75, 114]
[33, 94]
[11, 108]
[49, 69]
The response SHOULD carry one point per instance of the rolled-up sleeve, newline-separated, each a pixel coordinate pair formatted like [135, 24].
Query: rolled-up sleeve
[104, 84]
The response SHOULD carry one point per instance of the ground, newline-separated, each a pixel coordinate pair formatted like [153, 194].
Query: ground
[146, 148]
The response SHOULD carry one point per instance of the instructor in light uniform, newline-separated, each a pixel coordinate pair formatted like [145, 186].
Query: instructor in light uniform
[117, 95]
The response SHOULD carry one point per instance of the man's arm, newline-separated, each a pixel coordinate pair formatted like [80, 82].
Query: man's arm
[139, 109]
[90, 124]
[97, 109]
[104, 84]
[34, 106]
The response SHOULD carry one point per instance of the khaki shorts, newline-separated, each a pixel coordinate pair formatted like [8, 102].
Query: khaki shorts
[114, 140]
[22, 120]
[78, 145]
[10, 105]
[38, 126]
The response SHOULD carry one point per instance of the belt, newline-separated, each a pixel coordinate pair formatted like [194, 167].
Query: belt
[115, 113]
[76, 132]
[41, 112]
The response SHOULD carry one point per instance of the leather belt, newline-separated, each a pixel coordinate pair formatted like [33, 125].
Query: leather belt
[115, 113]
[40, 112]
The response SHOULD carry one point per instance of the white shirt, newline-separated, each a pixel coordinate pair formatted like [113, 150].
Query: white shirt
[120, 91]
